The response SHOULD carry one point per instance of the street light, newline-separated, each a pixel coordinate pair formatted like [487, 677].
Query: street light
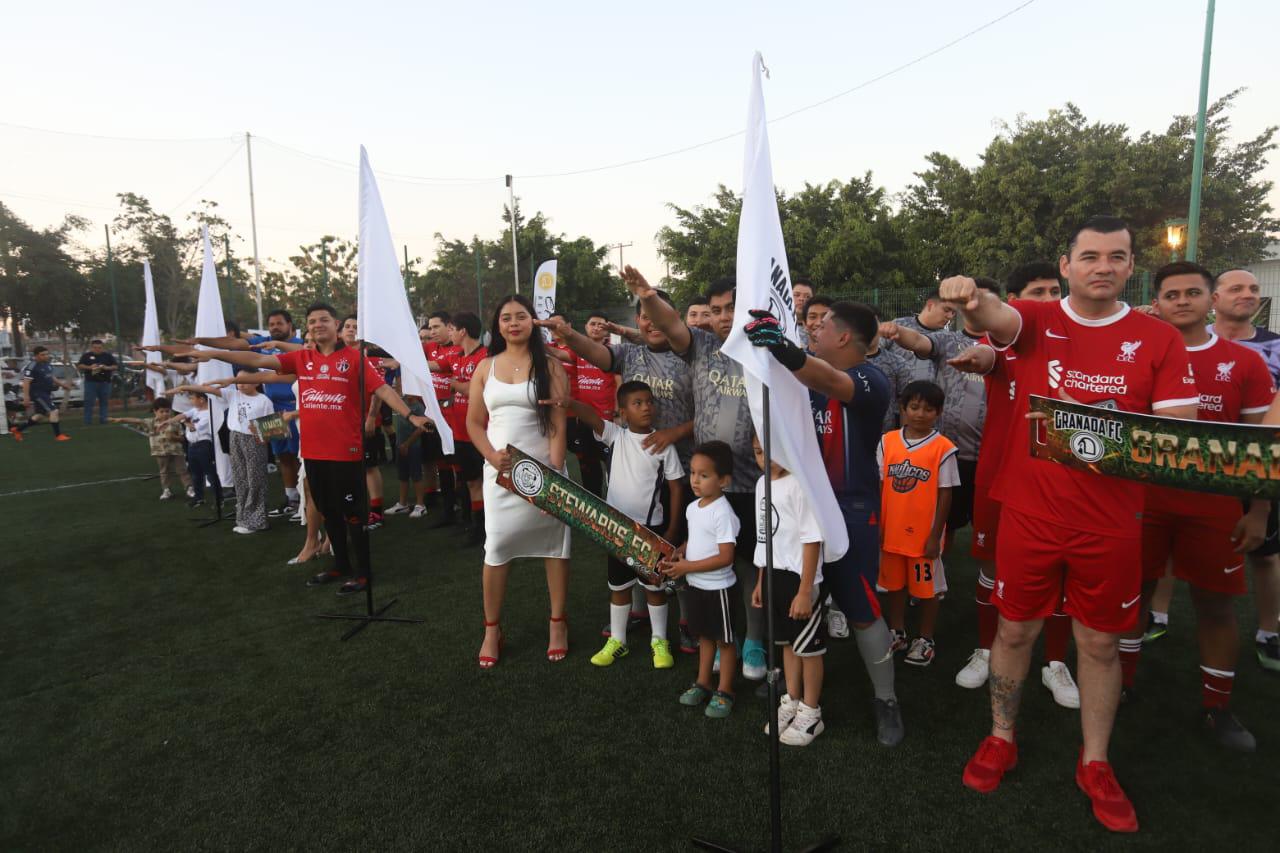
[1175, 236]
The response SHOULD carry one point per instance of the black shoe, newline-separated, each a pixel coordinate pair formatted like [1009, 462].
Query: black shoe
[353, 587]
[446, 519]
[323, 578]
[1228, 731]
[889, 730]
[195, 502]
[1128, 695]
[285, 510]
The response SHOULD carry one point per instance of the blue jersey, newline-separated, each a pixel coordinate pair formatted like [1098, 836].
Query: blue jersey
[42, 379]
[848, 434]
[279, 393]
[1265, 343]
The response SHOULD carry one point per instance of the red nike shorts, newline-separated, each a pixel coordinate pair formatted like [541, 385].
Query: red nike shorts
[986, 523]
[1199, 545]
[1041, 563]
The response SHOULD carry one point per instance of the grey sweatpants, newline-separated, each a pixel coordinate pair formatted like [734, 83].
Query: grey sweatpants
[249, 473]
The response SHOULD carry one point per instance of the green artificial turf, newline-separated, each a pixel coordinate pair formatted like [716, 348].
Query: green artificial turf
[164, 687]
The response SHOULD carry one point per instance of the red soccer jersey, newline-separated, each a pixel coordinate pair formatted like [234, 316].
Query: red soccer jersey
[463, 367]
[1232, 381]
[1001, 392]
[596, 388]
[1127, 361]
[441, 380]
[570, 366]
[328, 388]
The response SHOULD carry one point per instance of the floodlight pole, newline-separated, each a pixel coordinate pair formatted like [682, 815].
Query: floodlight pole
[515, 255]
[253, 222]
[1197, 165]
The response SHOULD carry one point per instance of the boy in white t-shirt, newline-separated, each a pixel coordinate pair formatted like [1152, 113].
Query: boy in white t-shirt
[636, 480]
[248, 456]
[799, 600]
[706, 562]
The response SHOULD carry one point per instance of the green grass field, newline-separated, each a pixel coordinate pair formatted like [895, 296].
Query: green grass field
[168, 688]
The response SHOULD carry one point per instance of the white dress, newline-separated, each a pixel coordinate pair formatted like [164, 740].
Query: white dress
[514, 527]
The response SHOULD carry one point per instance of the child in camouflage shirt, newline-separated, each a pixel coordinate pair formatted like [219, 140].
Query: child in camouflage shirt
[165, 435]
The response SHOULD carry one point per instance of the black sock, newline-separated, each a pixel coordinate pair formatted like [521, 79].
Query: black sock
[57, 428]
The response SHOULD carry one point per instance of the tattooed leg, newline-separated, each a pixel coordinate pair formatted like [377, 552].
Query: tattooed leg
[1010, 660]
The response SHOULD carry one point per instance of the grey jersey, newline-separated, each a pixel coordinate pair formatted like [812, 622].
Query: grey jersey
[669, 377]
[897, 365]
[965, 409]
[720, 408]
[921, 368]
[802, 334]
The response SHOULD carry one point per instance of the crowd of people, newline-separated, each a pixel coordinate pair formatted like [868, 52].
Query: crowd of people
[923, 430]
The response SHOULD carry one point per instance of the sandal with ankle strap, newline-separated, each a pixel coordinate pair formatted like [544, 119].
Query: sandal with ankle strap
[487, 662]
[556, 655]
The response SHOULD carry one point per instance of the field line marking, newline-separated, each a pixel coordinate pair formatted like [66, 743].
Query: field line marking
[72, 486]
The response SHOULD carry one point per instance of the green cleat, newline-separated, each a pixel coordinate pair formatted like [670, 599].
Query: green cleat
[695, 695]
[662, 658]
[611, 652]
[720, 705]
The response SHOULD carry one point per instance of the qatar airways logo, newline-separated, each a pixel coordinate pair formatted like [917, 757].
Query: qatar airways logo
[1093, 383]
[322, 399]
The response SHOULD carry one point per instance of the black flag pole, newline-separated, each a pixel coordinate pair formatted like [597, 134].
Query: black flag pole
[370, 615]
[775, 757]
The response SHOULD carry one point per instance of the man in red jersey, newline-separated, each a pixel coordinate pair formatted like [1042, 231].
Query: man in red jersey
[1063, 530]
[437, 344]
[1038, 282]
[598, 389]
[460, 365]
[1205, 537]
[332, 417]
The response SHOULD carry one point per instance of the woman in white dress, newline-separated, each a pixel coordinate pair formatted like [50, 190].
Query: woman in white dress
[505, 391]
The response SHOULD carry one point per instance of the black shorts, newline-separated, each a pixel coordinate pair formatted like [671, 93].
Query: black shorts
[623, 577]
[375, 449]
[710, 613]
[468, 460]
[807, 637]
[1271, 545]
[743, 504]
[431, 449]
[583, 442]
[962, 496]
[42, 404]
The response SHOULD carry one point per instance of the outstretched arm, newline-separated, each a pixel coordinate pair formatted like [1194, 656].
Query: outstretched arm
[665, 318]
[244, 358]
[597, 354]
[580, 410]
[814, 373]
[983, 310]
[215, 390]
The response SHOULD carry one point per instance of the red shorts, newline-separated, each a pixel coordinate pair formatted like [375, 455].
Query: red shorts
[1042, 563]
[986, 523]
[1199, 545]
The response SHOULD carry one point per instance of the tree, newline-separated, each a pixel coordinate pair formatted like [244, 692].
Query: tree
[325, 271]
[42, 287]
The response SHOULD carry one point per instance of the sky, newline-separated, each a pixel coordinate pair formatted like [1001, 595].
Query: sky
[155, 98]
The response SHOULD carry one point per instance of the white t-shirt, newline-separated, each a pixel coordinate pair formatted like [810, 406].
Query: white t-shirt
[794, 525]
[709, 527]
[636, 476]
[242, 408]
[198, 425]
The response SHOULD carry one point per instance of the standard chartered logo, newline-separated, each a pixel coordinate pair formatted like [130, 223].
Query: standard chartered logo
[1055, 373]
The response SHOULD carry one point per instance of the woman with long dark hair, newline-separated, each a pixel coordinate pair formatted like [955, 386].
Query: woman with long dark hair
[504, 409]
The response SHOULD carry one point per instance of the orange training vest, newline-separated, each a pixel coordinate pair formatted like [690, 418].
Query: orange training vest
[909, 490]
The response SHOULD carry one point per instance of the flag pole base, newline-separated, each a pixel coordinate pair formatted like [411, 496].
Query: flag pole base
[363, 620]
[828, 843]
[218, 516]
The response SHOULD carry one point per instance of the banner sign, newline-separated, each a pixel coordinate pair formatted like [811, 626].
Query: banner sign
[268, 427]
[544, 293]
[626, 539]
[1201, 456]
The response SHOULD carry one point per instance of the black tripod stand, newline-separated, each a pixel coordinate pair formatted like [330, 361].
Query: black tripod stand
[370, 615]
[775, 766]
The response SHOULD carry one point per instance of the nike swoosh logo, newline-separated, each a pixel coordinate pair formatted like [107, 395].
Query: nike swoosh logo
[1232, 569]
[1130, 603]
[1049, 334]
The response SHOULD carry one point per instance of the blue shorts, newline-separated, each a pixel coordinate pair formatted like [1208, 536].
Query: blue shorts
[42, 404]
[851, 580]
[286, 445]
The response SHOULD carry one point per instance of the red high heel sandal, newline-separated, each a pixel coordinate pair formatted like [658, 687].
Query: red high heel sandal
[487, 662]
[556, 655]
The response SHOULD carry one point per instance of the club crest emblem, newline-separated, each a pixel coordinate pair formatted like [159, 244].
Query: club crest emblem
[1224, 371]
[343, 365]
[324, 368]
[526, 476]
[1129, 351]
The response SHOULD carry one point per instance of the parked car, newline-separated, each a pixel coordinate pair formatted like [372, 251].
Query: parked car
[11, 376]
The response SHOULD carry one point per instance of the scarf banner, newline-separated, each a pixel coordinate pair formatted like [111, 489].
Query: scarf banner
[623, 537]
[1201, 456]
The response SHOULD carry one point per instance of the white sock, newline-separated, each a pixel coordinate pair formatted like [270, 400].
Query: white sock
[1157, 616]
[1262, 636]
[658, 619]
[291, 494]
[618, 614]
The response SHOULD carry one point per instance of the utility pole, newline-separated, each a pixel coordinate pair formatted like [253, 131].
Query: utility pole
[115, 307]
[324, 268]
[226, 263]
[253, 221]
[475, 250]
[1197, 166]
[515, 256]
[619, 247]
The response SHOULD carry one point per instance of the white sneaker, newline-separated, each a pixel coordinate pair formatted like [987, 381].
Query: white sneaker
[395, 509]
[806, 726]
[239, 529]
[787, 708]
[976, 671]
[191, 491]
[1058, 679]
[419, 511]
[837, 624]
[166, 495]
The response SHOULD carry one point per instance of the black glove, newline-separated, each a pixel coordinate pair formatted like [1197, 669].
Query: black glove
[765, 331]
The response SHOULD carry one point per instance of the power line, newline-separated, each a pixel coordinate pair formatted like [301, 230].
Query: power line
[350, 167]
[207, 180]
[54, 132]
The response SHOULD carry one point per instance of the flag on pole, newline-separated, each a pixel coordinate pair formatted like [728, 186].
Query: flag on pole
[210, 323]
[764, 281]
[544, 293]
[382, 306]
[151, 331]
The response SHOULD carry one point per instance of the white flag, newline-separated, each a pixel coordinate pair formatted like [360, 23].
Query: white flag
[151, 331]
[210, 323]
[383, 306]
[764, 281]
[544, 293]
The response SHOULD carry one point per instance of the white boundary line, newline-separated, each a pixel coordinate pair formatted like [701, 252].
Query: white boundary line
[72, 486]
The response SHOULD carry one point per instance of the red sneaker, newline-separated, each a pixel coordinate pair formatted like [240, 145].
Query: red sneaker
[63, 437]
[995, 756]
[16, 433]
[1110, 805]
